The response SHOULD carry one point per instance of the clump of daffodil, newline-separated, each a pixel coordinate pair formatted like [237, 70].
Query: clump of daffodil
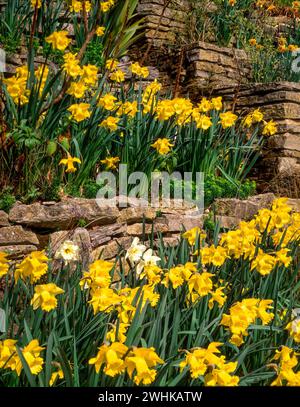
[71, 65]
[117, 76]
[180, 274]
[100, 31]
[36, 3]
[106, 5]
[76, 6]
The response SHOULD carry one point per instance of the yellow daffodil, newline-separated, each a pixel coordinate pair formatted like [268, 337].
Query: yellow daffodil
[34, 266]
[138, 70]
[270, 128]
[77, 89]
[111, 162]
[103, 300]
[117, 76]
[80, 111]
[100, 31]
[111, 356]
[108, 102]
[45, 296]
[217, 103]
[4, 265]
[36, 3]
[106, 5]
[162, 146]
[71, 65]
[59, 374]
[227, 119]
[140, 363]
[69, 162]
[59, 40]
[90, 74]
[263, 263]
[98, 275]
[110, 123]
[111, 64]
[193, 234]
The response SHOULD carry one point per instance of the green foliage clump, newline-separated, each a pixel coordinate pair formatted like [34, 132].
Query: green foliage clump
[7, 199]
[220, 187]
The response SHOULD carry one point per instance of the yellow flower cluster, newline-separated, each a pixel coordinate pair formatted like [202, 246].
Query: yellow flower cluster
[208, 363]
[111, 162]
[286, 375]
[110, 123]
[162, 146]
[107, 5]
[140, 71]
[76, 6]
[243, 242]
[34, 266]
[17, 86]
[59, 40]
[243, 314]
[79, 111]
[284, 47]
[193, 234]
[9, 357]
[117, 358]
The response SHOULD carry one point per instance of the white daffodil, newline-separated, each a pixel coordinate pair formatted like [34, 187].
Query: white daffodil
[68, 251]
[135, 252]
[148, 260]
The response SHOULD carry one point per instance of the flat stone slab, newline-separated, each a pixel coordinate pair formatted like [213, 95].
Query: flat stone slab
[16, 235]
[63, 215]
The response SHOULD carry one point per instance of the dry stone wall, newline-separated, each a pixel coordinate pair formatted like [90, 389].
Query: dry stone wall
[208, 66]
[99, 231]
[106, 232]
[279, 102]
